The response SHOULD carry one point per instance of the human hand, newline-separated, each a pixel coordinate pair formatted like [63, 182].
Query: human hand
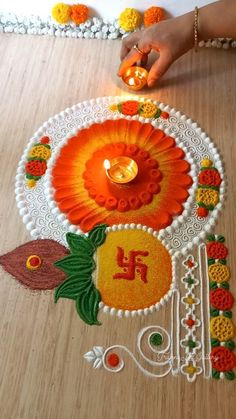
[170, 38]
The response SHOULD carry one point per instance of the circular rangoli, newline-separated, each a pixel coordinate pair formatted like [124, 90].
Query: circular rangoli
[61, 183]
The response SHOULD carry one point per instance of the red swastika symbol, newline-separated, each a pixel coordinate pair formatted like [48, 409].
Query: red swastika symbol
[131, 265]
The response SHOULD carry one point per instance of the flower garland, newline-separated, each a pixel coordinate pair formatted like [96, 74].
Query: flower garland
[129, 20]
[93, 28]
[145, 109]
[222, 329]
[36, 165]
[209, 181]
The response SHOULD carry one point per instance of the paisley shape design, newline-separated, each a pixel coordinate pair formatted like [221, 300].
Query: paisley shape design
[47, 276]
[88, 198]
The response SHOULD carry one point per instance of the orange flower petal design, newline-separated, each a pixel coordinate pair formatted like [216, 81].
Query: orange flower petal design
[84, 193]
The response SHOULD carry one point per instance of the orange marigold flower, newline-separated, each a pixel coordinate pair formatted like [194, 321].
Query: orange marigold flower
[61, 12]
[130, 107]
[153, 15]
[36, 167]
[79, 13]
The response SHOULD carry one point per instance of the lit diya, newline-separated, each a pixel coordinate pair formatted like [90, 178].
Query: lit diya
[121, 169]
[135, 77]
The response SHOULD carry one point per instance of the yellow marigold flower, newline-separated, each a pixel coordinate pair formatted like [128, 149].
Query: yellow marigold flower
[130, 19]
[113, 107]
[148, 110]
[31, 183]
[219, 272]
[41, 151]
[206, 163]
[207, 196]
[61, 12]
[222, 328]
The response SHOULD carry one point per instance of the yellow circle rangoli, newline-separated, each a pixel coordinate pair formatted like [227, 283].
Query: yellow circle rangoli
[134, 270]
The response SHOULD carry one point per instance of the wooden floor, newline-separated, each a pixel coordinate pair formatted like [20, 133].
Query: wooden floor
[42, 372]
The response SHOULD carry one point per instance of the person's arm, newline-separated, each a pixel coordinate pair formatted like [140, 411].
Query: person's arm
[174, 37]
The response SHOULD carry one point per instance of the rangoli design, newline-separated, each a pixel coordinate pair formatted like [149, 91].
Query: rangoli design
[135, 248]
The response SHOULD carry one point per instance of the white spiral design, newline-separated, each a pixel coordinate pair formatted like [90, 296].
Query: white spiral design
[150, 329]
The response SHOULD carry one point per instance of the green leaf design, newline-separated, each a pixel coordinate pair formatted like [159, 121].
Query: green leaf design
[225, 285]
[35, 158]
[227, 314]
[230, 375]
[76, 264]
[213, 285]
[80, 244]
[215, 188]
[158, 113]
[119, 107]
[214, 343]
[214, 312]
[222, 261]
[211, 238]
[72, 287]
[87, 305]
[98, 234]
[211, 262]
[28, 176]
[230, 344]
[221, 239]
[215, 374]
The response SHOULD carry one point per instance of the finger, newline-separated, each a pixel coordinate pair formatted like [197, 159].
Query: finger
[133, 56]
[144, 60]
[159, 68]
[128, 43]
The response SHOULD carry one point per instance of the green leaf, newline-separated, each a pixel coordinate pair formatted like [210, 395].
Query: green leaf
[230, 344]
[222, 261]
[202, 186]
[158, 113]
[98, 234]
[215, 374]
[210, 207]
[35, 158]
[214, 312]
[228, 314]
[28, 176]
[225, 285]
[211, 238]
[214, 342]
[72, 287]
[213, 285]
[119, 107]
[87, 305]
[76, 264]
[80, 244]
[211, 262]
[230, 375]
[221, 239]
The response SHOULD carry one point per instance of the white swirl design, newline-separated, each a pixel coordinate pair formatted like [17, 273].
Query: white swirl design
[164, 353]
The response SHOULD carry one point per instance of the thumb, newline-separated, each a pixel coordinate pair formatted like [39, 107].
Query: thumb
[159, 68]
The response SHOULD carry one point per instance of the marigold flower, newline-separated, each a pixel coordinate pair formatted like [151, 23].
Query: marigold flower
[208, 197]
[79, 13]
[130, 19]
[130, 107]
[61, 12]
[39, 150]
[153, 15]
[148, 110]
